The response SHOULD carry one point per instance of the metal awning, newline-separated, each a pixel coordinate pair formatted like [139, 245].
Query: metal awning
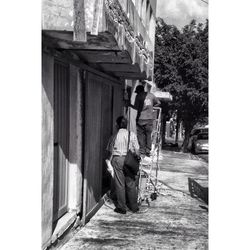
[163, 95]
[158, 93]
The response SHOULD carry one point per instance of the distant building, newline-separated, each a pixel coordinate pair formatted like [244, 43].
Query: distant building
[91, 51]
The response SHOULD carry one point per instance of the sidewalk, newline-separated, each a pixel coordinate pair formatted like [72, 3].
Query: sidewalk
[173, 221]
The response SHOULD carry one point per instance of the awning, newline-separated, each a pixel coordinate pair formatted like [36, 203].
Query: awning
[163, 95]
[158, 93]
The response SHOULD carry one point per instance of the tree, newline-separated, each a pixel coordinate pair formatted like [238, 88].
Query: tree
[181, 67]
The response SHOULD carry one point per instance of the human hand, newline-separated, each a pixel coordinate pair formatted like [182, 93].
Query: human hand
[109, 167]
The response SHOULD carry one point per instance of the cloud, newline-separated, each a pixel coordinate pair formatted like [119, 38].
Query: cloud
[181, 12]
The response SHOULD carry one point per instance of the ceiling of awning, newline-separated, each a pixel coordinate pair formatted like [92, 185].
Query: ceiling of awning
[101, 52]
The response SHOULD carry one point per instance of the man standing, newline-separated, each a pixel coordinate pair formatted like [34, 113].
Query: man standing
[144, 103]
[123, 183]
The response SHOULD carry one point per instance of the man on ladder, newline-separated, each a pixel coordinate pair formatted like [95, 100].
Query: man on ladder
[144, 104]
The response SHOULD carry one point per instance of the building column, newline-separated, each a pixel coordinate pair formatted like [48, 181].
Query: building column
[75, 141]
[47, 147]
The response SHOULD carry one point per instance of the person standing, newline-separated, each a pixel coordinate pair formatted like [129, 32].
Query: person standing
[123, 188]
[144, 103]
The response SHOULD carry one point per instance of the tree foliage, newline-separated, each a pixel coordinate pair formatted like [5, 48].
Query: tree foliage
[181, 67]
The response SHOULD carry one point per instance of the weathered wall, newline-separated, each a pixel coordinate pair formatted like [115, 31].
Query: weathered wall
[47, 146]
[75, 144]
[103, 106]
[94, 16]
[115, 21]
[93, 134]
[64, 15]
[131, 32]
[57, 14]
[79, 131]
[92, 114]
[75, 138]
[117, 103]
[106, 127]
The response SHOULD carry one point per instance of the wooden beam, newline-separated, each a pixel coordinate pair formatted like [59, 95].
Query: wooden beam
[122, 67]
[105, 57]
[98, 11]
[68, 57]
[129, 75]
[79, 21]
[64, 40]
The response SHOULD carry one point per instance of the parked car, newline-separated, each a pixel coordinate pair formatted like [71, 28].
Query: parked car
[200, 145]
[193, 136]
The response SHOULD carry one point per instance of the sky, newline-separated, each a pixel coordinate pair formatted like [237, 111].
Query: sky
[181, 12]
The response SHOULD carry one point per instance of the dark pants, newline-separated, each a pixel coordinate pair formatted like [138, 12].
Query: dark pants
[144, 132]
[131, 193]
[123, 189]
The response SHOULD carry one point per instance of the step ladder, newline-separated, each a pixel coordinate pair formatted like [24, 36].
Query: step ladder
[148, 175]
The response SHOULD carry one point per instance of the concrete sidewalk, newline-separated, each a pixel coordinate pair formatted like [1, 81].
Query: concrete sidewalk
[173, 221]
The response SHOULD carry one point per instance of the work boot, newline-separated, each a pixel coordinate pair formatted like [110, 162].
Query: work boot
[120, 211]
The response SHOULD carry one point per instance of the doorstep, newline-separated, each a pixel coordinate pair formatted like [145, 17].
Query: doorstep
[63, 224]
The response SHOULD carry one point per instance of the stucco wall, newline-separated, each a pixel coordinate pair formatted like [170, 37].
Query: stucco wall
[47, 146]
[57, 14]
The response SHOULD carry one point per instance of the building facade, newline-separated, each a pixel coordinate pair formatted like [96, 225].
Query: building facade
[92, 50]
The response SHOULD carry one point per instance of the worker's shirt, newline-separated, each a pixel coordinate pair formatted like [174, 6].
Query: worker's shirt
[118, 143]
[144, 105]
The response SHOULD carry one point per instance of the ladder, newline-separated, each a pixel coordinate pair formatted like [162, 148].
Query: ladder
[148, 177]
[156, 140]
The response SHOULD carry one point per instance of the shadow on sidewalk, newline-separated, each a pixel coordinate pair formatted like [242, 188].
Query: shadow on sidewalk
[174, 147]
